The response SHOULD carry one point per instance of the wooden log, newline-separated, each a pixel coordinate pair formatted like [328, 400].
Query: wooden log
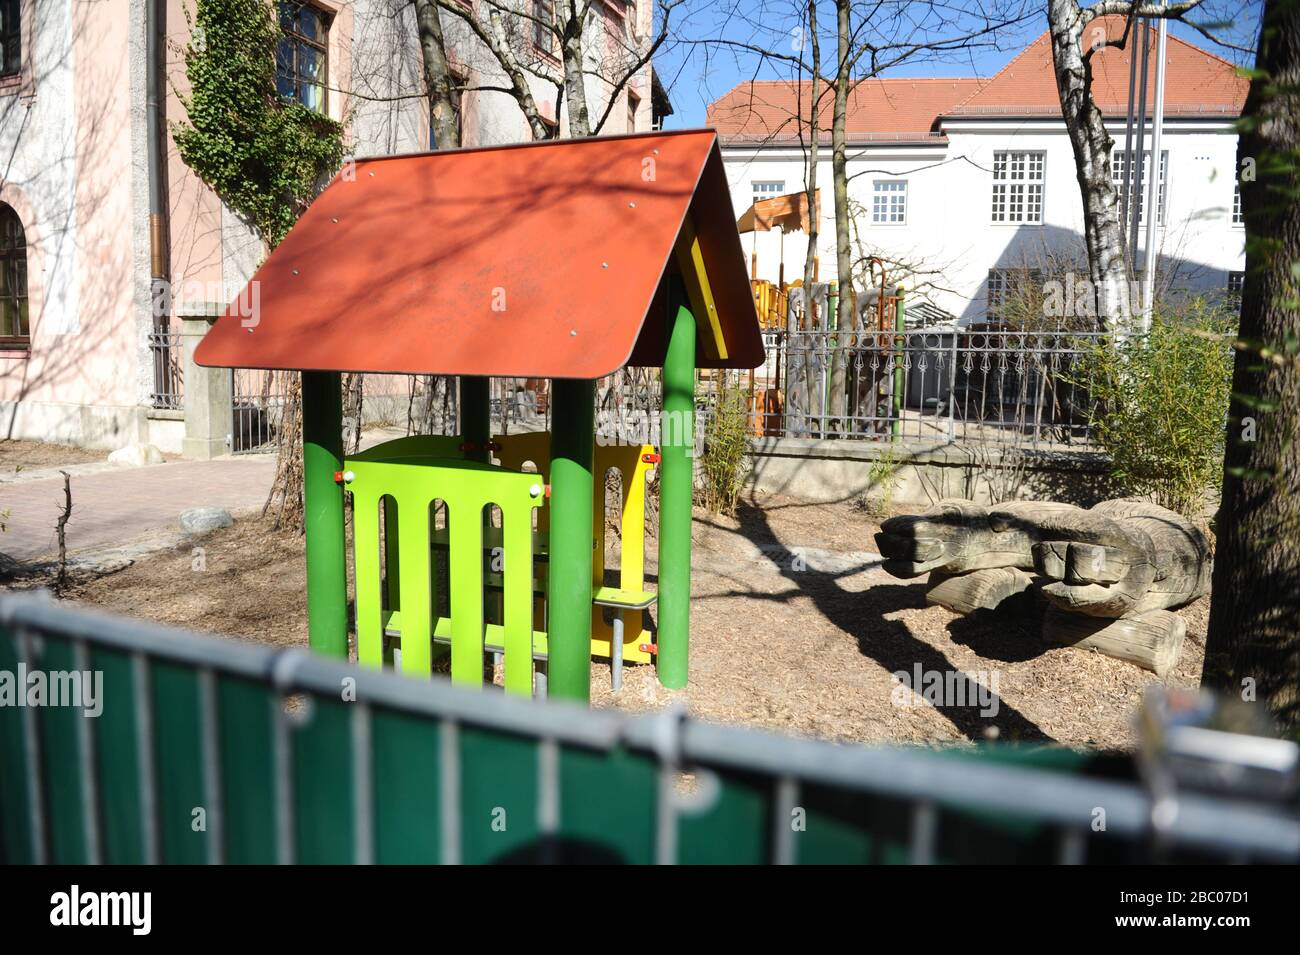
[977, 590]
[1152, 640]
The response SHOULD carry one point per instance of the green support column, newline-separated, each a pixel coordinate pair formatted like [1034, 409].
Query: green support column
[676, 490]
[475, 415]
[569, 582]
[322, 457]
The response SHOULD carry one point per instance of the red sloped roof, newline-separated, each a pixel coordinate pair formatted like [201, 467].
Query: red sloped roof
[885, 109]
[1197, 83]
[538, 260]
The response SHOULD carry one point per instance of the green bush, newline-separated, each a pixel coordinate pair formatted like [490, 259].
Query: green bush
[265, 156]
[726, 449]
[1160, 404]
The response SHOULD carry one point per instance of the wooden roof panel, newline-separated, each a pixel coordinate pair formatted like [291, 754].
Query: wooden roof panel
[537, 260]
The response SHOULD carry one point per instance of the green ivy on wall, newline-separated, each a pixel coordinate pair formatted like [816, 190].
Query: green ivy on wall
[265, 156]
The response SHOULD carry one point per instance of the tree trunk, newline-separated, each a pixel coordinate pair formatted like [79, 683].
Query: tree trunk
[1108, 269]
[575, 84]
[1254, 629]
[812, 381]
[443, 113]
[843, 254]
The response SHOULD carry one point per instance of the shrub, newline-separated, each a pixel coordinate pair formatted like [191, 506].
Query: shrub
[725, 461]
[1160, 404]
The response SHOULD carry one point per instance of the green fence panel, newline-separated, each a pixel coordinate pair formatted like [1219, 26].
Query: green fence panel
[16, 826]
[118, 760]
[736, 827]
[64, 759]
[324, 797]
[246, 711]
[498, 796]
[294, 757]
[408, 806]
[178, 745]
[608, 806]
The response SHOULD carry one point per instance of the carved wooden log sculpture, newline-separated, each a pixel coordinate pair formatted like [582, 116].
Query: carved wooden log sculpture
[1121, 560]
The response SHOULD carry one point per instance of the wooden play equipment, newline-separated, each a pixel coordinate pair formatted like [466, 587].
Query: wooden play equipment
[621, 253]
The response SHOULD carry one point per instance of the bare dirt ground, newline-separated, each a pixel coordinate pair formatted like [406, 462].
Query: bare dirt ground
[793, 628]
[29, 455]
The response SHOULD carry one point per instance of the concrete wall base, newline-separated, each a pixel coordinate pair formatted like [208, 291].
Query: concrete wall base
[920, 474]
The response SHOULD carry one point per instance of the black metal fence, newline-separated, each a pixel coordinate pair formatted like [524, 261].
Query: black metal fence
[167, 357]
[1023, 389]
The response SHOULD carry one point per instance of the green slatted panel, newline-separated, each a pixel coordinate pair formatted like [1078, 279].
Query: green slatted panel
[607, 807]
[844, 828]
[405, 756]
[244, 711]
[61, 755]
[497, 772]
[118, 760]
[15, 834]
[322, 781]
[736, 829]
[178, 749]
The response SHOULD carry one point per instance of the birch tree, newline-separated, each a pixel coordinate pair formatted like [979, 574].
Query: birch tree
[1077, 38]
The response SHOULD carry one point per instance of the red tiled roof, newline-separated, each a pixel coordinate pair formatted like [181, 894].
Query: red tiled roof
[1197, 83]
[883, 109]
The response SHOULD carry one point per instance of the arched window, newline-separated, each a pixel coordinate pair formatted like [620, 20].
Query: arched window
[13, 279]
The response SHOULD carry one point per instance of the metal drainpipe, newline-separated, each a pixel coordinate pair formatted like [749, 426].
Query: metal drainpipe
[158, 253]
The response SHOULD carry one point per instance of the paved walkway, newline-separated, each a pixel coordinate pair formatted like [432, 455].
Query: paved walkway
[111, 507]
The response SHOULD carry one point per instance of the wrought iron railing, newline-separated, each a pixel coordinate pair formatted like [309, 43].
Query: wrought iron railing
[167, 357]
[1024, 389]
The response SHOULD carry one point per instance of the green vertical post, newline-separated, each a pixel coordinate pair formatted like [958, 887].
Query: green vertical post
[569, 574]
[676, 489]
[322, 458]
[475, 415]
[897, 424]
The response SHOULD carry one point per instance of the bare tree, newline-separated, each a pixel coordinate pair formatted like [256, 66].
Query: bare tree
[1077, 38]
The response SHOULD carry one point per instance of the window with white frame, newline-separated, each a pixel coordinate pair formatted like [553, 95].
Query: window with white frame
[1018, 186]
[1119, 174]
[767, 188]
[1236, 204]
[1236, 282]
[889, 201]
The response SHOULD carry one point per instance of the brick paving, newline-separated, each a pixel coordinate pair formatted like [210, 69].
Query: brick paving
[110, 508]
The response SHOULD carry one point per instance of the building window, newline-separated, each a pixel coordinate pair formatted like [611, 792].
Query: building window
[633, 104]
[1018, 186]
[1119, 173]
[1236, 282]
[1011, 292]
[301, 58]
[767, 188]
[1236, 204]
[13, 280]
[11, 37]
[889, 202]
[543, 18]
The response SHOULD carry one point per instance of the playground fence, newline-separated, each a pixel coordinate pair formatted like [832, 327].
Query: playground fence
[1017, 389]
[215, 750]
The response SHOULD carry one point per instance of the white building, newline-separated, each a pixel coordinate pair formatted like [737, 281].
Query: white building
[963, 183]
